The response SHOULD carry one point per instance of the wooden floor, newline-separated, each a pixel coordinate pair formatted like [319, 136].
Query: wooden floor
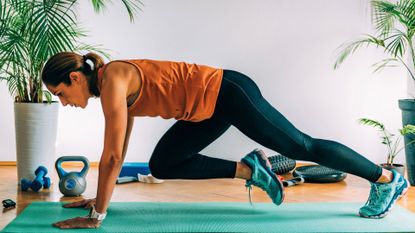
[352, 189]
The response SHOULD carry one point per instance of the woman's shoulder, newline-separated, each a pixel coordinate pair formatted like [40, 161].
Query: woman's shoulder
[117, 69]
[119, 73]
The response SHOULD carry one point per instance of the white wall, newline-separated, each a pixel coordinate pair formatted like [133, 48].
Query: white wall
[286, 46]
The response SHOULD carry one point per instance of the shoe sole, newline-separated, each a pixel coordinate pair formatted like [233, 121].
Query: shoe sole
[390, 205]
[269, 171]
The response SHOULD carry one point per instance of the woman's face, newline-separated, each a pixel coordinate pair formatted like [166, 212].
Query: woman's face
[76, 94]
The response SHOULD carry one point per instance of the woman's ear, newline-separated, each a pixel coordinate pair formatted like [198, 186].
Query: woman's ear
[75, 76]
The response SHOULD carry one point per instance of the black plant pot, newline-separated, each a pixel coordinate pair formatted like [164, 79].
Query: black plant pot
[408, 117]
[397, 167]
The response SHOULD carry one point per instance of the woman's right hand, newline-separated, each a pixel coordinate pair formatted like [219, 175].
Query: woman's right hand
[86, 203]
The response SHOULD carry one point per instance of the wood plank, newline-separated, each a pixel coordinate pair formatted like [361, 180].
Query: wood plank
[70, 164]
[352, 189]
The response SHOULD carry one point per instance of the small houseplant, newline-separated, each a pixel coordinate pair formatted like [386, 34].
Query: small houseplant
[30, 32]
[392, 141]
[394, 24]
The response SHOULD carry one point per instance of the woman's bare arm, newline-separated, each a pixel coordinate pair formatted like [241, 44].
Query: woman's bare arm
[117, 129]
[130, 124]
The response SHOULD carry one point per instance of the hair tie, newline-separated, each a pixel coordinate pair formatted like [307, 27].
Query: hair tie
[88, 62]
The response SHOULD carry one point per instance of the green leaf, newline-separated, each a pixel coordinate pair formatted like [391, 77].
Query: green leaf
[48, 96]
[406, 8]
[408, 129]
[371, 122]
[52, 29]
[384, 14]
[397, 44]
[98, 5]
[132, 6]
[349, 48]
[379, 66]
[83, 48]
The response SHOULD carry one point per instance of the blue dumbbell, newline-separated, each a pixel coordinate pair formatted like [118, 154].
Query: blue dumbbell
[38, 182]
[46, 182]
[25, 184]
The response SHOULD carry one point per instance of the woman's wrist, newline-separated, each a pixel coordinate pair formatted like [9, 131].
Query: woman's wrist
[93, 214]
[96, 222]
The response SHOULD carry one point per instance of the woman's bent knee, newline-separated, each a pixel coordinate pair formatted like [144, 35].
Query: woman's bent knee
[157, 171]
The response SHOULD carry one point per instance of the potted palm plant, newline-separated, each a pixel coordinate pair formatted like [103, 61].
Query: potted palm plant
[394, 24]
[30, 32]
[392, 143]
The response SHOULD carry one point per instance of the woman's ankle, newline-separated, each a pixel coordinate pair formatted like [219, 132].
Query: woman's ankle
[386, 177]
[243, 171]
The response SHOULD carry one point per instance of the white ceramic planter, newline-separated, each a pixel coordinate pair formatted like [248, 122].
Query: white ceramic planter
[36, 129]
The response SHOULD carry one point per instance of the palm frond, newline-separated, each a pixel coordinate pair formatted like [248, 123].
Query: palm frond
[98, 5]
[407, 10]
[379, 66]
[84, 48]
[370, 122]
[398, 43]
[7, 17]
[52, 29]
[21, 7]
[12, 61]
[349, 48]
[132, 7]
[384, 14]
[14, 85]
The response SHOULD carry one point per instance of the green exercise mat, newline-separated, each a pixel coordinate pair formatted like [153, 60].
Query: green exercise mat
[217, 217]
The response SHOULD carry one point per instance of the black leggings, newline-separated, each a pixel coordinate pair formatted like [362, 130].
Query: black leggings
[241, 104]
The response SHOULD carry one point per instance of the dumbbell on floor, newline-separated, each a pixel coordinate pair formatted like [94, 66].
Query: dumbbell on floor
[25, 184]
[46, 182]
[38, 182]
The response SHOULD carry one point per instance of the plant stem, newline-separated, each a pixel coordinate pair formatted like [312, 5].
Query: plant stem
[412, 54]
[388, 141]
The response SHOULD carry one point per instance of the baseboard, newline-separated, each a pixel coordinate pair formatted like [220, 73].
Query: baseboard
[7, 163]
[72, 164]
[92, 164]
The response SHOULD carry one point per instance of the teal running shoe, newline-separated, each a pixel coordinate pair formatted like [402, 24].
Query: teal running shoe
[382, 197]
[263, 177]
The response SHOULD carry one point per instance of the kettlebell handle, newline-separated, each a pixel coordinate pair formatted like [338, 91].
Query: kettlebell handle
[83, 159]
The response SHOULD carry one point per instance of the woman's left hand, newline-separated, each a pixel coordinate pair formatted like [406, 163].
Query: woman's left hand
[79, 222]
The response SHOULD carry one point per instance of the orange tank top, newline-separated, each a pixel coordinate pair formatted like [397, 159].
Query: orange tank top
[175, 90]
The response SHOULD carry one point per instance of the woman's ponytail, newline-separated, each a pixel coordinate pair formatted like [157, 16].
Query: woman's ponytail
[59, 66]
[91, 64]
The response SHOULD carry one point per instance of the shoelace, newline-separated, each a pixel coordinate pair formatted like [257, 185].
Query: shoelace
[375, 195]
[374, 191]
[249, 184]
[249, 193]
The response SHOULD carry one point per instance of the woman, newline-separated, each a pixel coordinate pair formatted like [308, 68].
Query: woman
[206, 101]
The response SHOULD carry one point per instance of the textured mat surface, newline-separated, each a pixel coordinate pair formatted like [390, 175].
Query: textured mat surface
[217, 217]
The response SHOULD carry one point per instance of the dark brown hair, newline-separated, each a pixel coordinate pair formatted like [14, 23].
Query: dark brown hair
[59, 66]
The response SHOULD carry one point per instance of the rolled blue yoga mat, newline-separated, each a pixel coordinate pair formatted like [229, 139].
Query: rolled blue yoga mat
[132, 168]
[217, 217]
